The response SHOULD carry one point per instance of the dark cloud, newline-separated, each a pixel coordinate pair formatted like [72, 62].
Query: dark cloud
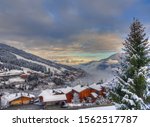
[57, 23]
[23, 19]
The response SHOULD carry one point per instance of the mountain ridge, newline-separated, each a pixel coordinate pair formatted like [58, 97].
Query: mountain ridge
[99, 70]
[13, 58]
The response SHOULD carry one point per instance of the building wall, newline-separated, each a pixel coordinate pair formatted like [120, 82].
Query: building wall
[54, 103]
[69, 97]
[83, 94]
[51, 102]
[41, 98]
[20, 101]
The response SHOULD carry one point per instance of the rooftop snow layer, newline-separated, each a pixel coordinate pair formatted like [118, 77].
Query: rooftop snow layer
[46, 92]
[14, 96]
[49, 96]
[79, 88]
[95, 87]
[64, 90]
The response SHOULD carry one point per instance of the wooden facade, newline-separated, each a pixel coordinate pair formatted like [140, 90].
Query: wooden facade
[20, 101]
[83, 94]
[67, 91]
[69, 97]
[86, 93]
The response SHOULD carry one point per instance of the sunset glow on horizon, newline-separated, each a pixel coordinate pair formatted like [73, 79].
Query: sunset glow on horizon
[70, 31]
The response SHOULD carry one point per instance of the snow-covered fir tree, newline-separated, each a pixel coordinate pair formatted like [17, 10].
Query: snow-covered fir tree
[131, 86]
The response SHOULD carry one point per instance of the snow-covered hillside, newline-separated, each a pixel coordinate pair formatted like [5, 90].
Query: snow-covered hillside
[52, 69]
[13, 58]
[100, 70]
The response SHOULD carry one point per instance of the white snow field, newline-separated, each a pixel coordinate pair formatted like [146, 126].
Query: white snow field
[39, 63]
[101, 108]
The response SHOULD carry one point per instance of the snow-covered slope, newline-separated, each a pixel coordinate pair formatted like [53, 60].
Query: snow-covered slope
[40, 63]
[13, 58]
[100, 70]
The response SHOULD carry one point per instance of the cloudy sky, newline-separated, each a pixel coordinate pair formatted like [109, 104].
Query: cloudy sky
[70, 31]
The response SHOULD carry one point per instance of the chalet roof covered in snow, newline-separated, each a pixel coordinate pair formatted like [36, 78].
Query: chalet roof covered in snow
[106, 84]
[49, 96]
[14, 96]
[47, 92]
[95, 87]
[80, 88]
[53, 98]
[64, 90]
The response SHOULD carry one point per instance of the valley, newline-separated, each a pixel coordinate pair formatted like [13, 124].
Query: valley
[23, 75]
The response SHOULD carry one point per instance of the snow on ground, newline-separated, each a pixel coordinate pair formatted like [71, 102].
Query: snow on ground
[39, 63]
[16, 79]
[101, 108]
[11, 73]
[74, 105]
[26, 70]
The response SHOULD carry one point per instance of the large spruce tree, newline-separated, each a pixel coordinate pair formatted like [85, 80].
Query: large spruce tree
[131, 87]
